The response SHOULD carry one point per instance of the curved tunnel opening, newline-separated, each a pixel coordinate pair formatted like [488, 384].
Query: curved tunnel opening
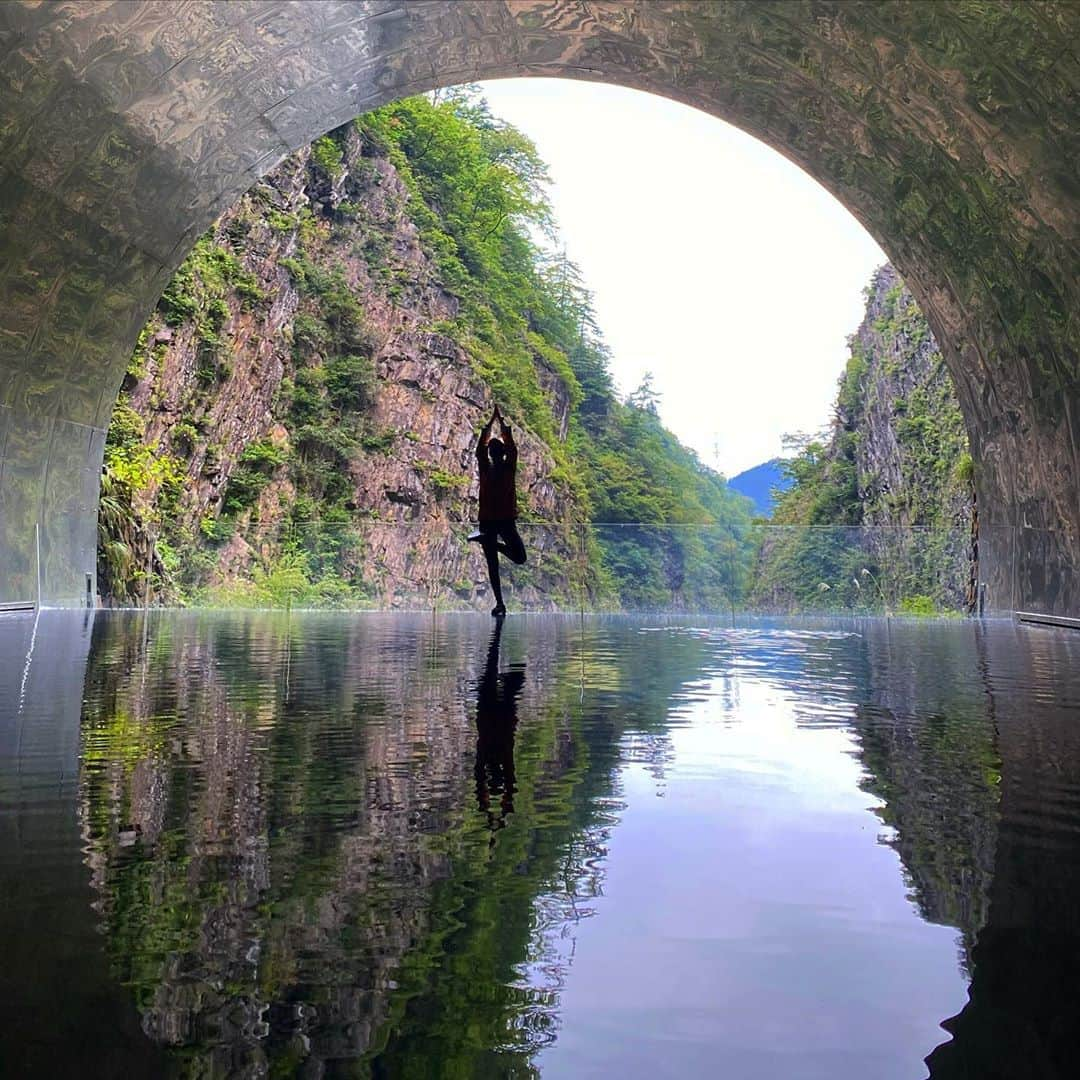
[52, 441]
[981, 232]
[295, 421]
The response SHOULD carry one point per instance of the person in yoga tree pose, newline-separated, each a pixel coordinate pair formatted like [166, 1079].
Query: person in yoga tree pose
[496, 459]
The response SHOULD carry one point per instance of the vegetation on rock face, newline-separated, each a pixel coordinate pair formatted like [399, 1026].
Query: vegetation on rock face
[126, 513]
[322, 360]
[880, 508]
[525, 310]
[298, 419]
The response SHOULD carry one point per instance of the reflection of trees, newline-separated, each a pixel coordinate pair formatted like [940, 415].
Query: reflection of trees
[58, 998]
[471, 1003]
[1020, 1020]
[970, 741]
[929, 745]
[262, 851]
[285, 844]
[291, 866]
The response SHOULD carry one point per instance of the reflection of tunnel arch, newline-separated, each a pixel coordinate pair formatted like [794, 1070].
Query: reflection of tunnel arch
[947, 130]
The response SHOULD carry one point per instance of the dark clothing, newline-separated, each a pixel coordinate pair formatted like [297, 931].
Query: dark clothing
[498, 504]
[498, 500]
[512, 546]
[500, 536]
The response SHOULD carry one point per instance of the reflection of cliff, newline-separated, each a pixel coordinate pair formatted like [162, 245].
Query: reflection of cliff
[293, 872]
[264, 841]
[929, 745]
[1020, 1020]
[971, 740]
[53, 979]
[285, 840]
[483, 992]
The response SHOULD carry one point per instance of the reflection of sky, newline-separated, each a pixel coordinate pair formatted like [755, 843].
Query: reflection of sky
[751, 925]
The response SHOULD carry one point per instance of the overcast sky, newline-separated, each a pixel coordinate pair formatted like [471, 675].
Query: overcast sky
[715, 262]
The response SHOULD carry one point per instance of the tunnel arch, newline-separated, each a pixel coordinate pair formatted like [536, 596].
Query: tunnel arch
[947, 129]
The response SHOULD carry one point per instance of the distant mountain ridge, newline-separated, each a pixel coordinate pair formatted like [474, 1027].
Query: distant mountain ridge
[759, 482]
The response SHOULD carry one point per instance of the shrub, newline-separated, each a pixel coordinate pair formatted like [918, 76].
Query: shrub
[198, 289]
[327, 155]
[919, 604]
[380, 442]
[251, 475]
[216, 530]
[310, 335]
[350, 382]
[441, 480]
[184, 436]
[281, 222]
[127, 427]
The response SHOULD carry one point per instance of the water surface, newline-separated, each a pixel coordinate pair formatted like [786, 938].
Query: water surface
[322, 845]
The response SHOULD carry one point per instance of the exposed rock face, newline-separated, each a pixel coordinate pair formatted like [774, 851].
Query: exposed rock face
[891, 485]
[909, 445]
[911, 434]
[417, 407]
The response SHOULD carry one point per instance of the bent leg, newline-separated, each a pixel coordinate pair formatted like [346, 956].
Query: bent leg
[513, 547]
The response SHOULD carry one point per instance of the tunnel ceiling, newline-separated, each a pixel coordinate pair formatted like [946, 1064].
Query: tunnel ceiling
[948, 129]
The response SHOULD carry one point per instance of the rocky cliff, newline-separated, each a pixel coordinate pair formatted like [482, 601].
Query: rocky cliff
[898, 419]
[298, 420]
[297, 394]
[892, 477]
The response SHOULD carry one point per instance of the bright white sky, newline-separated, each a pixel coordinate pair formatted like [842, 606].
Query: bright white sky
[715, 262]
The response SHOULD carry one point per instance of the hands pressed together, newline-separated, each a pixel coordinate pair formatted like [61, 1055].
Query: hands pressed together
[496, 416]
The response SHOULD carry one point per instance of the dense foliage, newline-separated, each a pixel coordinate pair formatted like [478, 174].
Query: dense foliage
[476, 194]
[877, 517]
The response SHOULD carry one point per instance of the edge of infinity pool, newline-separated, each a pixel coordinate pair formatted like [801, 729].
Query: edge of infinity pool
[1040, 619]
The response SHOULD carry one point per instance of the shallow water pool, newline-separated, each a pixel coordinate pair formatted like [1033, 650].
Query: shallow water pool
[416, 846]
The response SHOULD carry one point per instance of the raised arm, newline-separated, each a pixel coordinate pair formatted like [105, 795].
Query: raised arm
[485, 434]
[508, 441]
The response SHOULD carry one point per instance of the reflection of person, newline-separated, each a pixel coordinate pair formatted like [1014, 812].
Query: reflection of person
[496, 721]
[496, 460]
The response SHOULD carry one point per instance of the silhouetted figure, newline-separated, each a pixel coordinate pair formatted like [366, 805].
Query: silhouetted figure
[496, 722]
[496, 460]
